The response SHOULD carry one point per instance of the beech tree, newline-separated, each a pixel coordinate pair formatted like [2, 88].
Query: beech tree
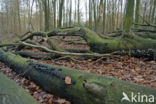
[128, 20]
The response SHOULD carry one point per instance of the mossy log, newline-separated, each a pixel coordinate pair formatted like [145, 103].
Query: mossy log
[84, 88]
[148, 54]
[11, 93]
[101, 45]
[34, 55]
[58, 53]
[147, 35]
[75, 42]
[54, 46]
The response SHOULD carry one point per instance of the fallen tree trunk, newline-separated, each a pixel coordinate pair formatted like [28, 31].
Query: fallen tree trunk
[34, 55]
[148, 54]
[11, 93]
[145, 25]
[101, 45]
[147, 35]
[77, 86]
[144, 30]
[58, 53]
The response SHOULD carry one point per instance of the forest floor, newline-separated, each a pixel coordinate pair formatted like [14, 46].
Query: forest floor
[124, 68]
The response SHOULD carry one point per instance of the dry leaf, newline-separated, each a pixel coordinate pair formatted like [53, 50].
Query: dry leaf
[50, 101]
[153, 85]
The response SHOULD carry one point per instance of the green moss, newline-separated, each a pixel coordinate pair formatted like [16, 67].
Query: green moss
[10, 93]
[101, 45]
[97, 90]
[54, 46]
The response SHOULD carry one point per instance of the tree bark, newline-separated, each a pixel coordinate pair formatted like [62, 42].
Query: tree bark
[137, 12]
[11, 93]
[98, 44]
[60, 13]
[84, 88]
[128, 20]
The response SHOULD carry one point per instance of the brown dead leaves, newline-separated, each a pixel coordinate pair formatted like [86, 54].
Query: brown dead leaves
[125, 68]
[41, 96]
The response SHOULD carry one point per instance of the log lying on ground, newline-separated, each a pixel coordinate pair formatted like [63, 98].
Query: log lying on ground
[58, 53]
[147, 35]
[83, 88]
[34, 55]
[148, 54]
[54, 46]
[11, 93]
[146, 25]
[144, 30]
[75, 42]
[100, 45]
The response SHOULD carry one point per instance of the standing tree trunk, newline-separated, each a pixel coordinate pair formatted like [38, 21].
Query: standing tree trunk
[90, 14]
[19, 17]
[46, 14]
[95, 19]
[70, 14]
[137, 12]
[78, 12]
[144, 13]
[54, 11]
[104, 16]
[100, 15]
[61, 3]
[153, 13]
[128, 19]
[41, 15]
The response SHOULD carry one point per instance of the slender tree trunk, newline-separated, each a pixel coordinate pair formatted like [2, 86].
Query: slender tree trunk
[104, 16]
[78, 12]
[90, 14]
[19, 17]
[95, 19]
[144, 13]
[137, 11]
[60, 13]
[149, 16]
[153, 13]
[70, 14]
[46, 14]
[128, 20]
[100, 16]
[54, 11]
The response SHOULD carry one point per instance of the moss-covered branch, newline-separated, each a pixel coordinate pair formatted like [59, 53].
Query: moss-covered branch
[84, 88]
[98, 44]
[35, 55]
[66, 53]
